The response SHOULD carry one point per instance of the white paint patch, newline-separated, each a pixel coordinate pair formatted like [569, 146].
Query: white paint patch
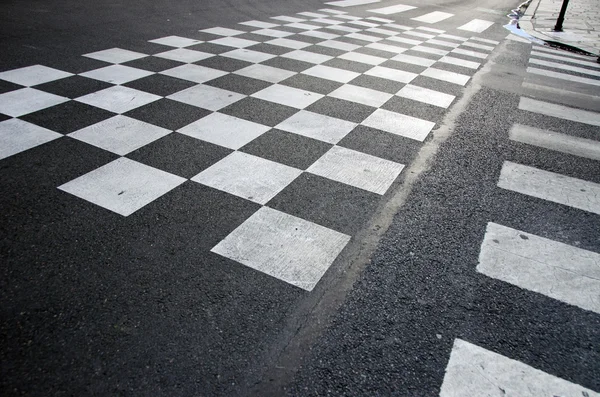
[351, 3]
[329, 10]
[288, 43]
[120, 134]
[384, 32]
[115, 55]
[443, 43]
[433, 17]
[560, 111]
[391, 74]
[563, 76]
[122, 186]
[429, 50]
[365, 96]
[357, 169]
[475, 371]
[362, 58]
[219, 31]
[363, 23]
[117, 74]
[317, 126]
[333, 74]
[451, 77]
[419, 34]
[195, 73]
[453, 37]
[17, 136]
[413, 60]
[27, 100]
[272, 33]
[244, 54]
[399, 124]
[288, 96]
[477, 46]
[557, 270]
[288, 248]
[550, 186]
[327, 21]
[398, 27]
[306, 56]
[476, 25]
[426, 95]
[364, 37]
[234, 42]
[556, 141]
[259, 24]
[382, 20]
[320, 35]
[398, 8]
[562, 66]
[404, 40]
[33, 75]
[288, 19]
[430, 29]
[460, 62]
[184, 55]
[207, 97]
[338, 45]
[265, 73]
[386, 47]
[312, 14]
[469, 53]
[176, 41]
[303, 26]
[341, 28]
[118, 99]
[223, 130]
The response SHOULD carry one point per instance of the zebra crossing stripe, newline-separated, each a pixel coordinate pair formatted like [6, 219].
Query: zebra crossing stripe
[476, 25]
[541, 265]
[555, 141]
[562, 66]
[550, 186]
[562, 76]
[560, 111]
[475, 371]
[591, 63]
[433, 17]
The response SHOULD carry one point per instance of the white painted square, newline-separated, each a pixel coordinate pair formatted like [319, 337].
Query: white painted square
[413, 60]
[384, 32]
[363, 23]
[184, 55]
[443, 43]
[478, 46]
[222, 31]
[288, 96]
[312, 14]
[307, 56]
[365, 96]
[336, 13]
[320, 35]
[386, 47]
[399, 124]
[476, 25]
[433, 17]
[338, 45]
[27, 100]
[118, 99]
[287, 43]
[397, 27]
[317, 126]
[195, 73]
[451, 77]
[176, 41]
[250, 177]
[288, 19]
[429, 29]
[357, 169]
[117, 74]
[248, 55]
[382, 20]
[453, 37]
[120, 134]
[391, 74]
[272, 33]
[224, 130]
[329, 73]
[351, 3]
[207, 97]
[342, 28]
[17, 136]
[429, 50]
[265, 73]
[404, 40]
[460, 62]
[364, 37]
[426, 95]
[234, 42]
[362, 58]
[283, 246]
[470, 53]
[327, 21]
[419, 34]
[33, 75]
[259, 24]
[115, 55]
[302, 26]
[122, 186]
[395, 9]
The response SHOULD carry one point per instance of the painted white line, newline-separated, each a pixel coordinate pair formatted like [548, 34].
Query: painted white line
[587, 62]
[478, 46]
[283, 246]
[476, 25]
[426, 95]
[428, 29]
[562, 53]
[442, 43]
[399, 124]
[451, 77]
[563, 76]
[433, 17]
[560, 111]
[562, 66]
[548, 267]
[488, 41]
[413, 60]
[475, 371]
[392, 9]
[453, 37]
[460, 62]
[469, 53]
[556, 141]
[351, 3]
[550, 186]
[386, 47]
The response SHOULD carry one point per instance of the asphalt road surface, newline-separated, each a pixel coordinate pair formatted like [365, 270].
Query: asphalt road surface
[266, 198]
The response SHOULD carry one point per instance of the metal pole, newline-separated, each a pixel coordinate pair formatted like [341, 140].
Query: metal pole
[561, 16]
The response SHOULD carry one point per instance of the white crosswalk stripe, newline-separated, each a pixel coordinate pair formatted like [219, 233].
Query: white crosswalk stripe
[433, 17]
[476, 25]
[560, 111]
[475, 371]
